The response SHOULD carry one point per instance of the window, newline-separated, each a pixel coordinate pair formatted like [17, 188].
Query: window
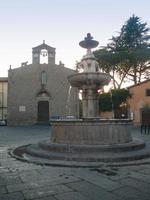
[43, 78]
[147, 92]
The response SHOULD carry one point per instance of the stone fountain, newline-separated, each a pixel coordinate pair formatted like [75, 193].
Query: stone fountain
[90, 80]
[91, 130]
[91, 140]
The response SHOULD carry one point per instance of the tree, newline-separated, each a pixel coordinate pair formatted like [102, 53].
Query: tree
[128, 54]
[119, 96]
[105, 102]
[113, 63]
[133, 42]
[133, 35]
[113, 99]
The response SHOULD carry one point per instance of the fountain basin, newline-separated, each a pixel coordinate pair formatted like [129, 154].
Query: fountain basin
[91, 132]
[89, 79]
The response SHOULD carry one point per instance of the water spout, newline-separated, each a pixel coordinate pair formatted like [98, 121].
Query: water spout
[68, 106]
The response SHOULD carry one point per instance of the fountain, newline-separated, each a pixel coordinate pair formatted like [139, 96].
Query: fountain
[90, 80]
[90, 140]
[91, 130]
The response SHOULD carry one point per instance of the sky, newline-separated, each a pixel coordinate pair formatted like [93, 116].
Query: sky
[24, 24]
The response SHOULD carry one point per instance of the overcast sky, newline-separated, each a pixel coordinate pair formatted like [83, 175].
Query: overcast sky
[62, 24]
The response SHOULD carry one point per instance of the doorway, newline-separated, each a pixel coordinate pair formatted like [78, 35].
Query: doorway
[43, 111]
[145, 116]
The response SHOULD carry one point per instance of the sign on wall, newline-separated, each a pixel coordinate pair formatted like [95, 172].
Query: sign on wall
[22, 108]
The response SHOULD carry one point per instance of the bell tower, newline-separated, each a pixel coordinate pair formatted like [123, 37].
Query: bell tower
[43, 50]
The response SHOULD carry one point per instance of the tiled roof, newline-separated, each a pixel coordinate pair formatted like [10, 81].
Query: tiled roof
[148, 80]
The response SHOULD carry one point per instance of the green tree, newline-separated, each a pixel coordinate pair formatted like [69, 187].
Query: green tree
[105, 102]
[127, 56]
[133, 35]
[119, 96]
[133, 43]
[113, 63]
[113, 99]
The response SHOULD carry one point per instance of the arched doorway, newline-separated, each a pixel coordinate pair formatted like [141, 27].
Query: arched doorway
[43, 111]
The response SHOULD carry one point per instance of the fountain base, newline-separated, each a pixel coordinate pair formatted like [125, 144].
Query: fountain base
[92, 131]
[88, 143]
[46, 153]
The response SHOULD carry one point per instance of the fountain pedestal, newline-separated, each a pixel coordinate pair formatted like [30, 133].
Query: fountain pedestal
[89, 103]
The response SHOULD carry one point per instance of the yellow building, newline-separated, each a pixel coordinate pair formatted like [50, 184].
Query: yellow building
[3, 98]
[140, 99]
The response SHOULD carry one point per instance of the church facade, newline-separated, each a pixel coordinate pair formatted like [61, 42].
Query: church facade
[38, 92]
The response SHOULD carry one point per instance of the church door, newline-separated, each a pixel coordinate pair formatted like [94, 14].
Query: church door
[43, 111]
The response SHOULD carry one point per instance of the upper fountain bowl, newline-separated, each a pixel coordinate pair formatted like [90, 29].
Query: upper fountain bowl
[90, 79]
[88, 42]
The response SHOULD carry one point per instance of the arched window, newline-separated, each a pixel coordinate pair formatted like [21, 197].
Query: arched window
[44, 56]
[43, 78]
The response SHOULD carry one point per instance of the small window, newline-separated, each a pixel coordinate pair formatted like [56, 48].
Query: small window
[43, 78]
[147, 92]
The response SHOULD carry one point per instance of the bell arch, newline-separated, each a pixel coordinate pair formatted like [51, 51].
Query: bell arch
[43, 56]
[45, 51]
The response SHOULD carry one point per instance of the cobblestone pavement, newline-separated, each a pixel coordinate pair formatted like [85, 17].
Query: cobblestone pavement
[24, 181]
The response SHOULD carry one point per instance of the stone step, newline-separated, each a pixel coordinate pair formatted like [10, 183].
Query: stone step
[36, 152]
[136, 144]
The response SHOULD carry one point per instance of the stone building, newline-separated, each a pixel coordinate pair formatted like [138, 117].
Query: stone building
[3, 98]
[140, 99]
[37, 92]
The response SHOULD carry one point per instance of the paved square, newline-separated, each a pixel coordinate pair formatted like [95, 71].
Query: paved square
[24, 181]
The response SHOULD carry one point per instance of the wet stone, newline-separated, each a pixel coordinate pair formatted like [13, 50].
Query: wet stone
[141, 177]
[12, 196]
[128, 192]
[139, 185]
[71, 196]
[145, 171]
[9, 179]
[38, 184]
[100, 180]
[27, 176]
[47, 198]
[45, 191]
[3, 190]
[105, 171]
[91, 191]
